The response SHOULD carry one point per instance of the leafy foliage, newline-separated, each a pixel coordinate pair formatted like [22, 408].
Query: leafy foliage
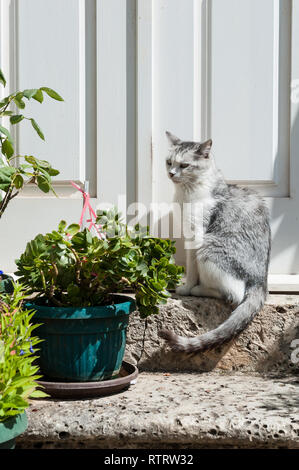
[18, 375]
[72, 268]
[13, 177]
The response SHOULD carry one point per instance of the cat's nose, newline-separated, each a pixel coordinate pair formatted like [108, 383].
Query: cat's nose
[171, 173]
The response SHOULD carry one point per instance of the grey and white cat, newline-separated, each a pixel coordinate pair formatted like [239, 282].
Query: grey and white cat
[231, 262]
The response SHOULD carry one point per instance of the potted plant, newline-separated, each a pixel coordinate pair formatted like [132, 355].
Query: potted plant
[17, 171]
[76, 279]
[18, 375]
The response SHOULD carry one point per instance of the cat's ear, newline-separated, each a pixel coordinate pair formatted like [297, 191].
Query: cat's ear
[204, 149]
[173, 140]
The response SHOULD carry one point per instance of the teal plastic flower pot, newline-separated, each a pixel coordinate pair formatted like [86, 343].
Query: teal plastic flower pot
[10, 429]
[6, 284]
[82, 344]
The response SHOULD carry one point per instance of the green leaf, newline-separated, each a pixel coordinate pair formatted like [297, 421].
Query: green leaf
[38, 394]
[31, 160]
[19, 402]
[53, 172]
[62, 225]
[43, 184]
[116, 246]
[16, 118]
[18, 181]
[52, 93]
[2, 78]
[88, 237]
[37, 129]
[38, 96]
[18, 100]
[4, 101]
[73, 229]
[30, 93]
[6, 174]
[45, 174]
[20, 381]
[44, 164]
[6, 132]
[7, 148]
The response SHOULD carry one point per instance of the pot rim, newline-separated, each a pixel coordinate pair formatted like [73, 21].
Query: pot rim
[124, 306]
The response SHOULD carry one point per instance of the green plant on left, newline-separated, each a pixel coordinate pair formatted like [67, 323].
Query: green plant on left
[18, 375]
[16, 171]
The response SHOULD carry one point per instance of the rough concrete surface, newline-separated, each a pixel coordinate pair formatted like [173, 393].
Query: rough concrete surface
[264, 346]
[243, 396]
[210, 410]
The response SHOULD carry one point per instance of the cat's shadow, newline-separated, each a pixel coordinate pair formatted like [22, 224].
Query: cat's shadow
[205, 315]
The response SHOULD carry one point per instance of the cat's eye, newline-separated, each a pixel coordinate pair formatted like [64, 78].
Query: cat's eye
[168, 162]
[184, 165]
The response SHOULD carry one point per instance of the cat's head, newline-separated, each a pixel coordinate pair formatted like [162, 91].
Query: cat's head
[187, 162]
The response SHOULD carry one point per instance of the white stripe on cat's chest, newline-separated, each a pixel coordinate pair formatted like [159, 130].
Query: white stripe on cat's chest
[196, 205]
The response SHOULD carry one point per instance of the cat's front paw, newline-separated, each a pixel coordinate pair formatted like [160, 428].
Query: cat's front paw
[196, 291]
[183, 290]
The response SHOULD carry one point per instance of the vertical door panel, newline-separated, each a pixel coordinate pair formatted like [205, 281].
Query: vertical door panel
[50, 53]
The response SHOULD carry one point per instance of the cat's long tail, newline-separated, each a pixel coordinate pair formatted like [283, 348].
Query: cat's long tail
[240, 318]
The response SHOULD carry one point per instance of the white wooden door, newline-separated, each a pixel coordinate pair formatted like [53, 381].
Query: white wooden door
[226, 70]
[84, 49]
